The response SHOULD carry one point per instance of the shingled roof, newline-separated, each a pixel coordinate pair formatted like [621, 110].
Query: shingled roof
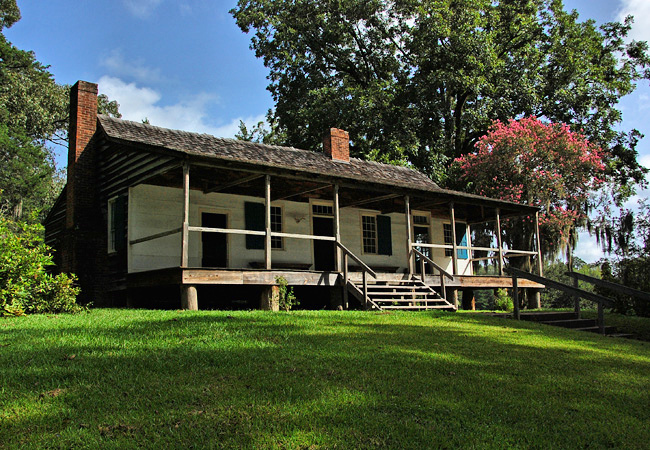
[287, 158]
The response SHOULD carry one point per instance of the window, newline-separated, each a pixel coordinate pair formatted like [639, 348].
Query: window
[446, 229]
[421, 220]
[322, 210]
[112, 206]
[461, 239]
[276, 225]
[369, 233]
[117, 225]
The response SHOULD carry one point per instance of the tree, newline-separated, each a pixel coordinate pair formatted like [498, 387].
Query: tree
[546, 165]
[422, 81]
[34, 111]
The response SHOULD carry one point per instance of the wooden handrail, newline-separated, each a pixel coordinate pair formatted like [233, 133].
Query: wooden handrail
[609, 285]
[598, 299]
[430, 261]
[366, 270]
[363, 265]
[561, 286]
[156, 236]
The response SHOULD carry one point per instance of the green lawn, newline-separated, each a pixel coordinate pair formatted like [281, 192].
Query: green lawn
[171, 379]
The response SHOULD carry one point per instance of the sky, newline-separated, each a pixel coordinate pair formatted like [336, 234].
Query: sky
[184, 64]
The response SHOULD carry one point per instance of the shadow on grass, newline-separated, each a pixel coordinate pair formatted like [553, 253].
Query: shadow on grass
[324, 379]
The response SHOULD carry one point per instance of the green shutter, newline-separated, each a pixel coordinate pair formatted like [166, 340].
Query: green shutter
[254, 219]
[120, 222]
[461, 240]
[384, 236]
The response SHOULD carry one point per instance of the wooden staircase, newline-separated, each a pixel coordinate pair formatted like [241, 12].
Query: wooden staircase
[399, 294]
[571, 320]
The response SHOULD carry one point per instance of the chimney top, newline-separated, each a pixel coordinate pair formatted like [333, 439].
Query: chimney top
[336, 144]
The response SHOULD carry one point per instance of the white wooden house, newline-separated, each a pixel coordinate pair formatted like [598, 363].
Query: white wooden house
[149, 208]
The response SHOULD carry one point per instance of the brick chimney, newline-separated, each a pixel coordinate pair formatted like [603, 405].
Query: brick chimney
[336, 144]
[83, 123]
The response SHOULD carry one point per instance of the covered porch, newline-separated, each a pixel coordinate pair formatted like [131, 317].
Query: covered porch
[337, 233]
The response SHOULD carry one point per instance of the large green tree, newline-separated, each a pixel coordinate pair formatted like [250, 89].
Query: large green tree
[421, 81]
[34, 112]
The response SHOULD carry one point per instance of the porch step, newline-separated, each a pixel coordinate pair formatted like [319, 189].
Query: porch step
[402, 294]
[547, 316]
[608, 330]
[570, 320]
[572, 323]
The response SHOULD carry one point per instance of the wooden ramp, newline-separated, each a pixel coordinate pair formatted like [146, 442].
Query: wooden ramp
[399, 294]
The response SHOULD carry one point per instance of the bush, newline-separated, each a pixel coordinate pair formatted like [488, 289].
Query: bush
[287, 299]
[502, 301]
[25, 286]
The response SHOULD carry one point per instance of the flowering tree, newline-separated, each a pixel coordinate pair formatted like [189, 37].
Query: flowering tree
[536, 163]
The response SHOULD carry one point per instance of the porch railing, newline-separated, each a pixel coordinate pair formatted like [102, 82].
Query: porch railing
[365, 269]
[424, 259]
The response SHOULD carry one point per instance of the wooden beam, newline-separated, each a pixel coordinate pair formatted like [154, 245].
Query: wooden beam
[227, 231]
[538, 239]
[409, 236]
[337, 229]
[371, 200]
[186, 216]
[223, 187]
[561, 286]
[499, 243]
[267, 207]
[156, 236]
[468, 233]
[454, 255]
[608, 285]
[307, 191]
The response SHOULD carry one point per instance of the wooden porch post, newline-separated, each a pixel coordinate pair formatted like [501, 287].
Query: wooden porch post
[499, 243]
[189, 296]
[267, 208]
[337, 229]
[186, 215]
[409, 236]
[539, 245]
[454, 254]
[468, 233]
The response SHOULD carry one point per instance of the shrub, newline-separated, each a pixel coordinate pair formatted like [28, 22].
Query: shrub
[502, 301]
[25, 286]
[287, 299]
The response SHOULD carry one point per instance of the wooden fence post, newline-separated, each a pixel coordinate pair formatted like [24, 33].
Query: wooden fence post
[515, 297]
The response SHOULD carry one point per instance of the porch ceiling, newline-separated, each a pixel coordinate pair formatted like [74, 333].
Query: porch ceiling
[386, 199]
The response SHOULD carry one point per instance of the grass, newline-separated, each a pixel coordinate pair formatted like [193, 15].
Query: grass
[171, 379]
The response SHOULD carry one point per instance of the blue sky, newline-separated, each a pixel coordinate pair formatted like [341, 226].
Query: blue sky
[184, 64]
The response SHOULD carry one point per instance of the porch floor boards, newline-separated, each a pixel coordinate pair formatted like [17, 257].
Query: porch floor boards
[203, 276]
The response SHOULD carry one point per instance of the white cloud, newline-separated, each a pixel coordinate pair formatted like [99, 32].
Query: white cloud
[640, 9]
[141, 8]
[138, 103]
[587, 248]
[119, 66]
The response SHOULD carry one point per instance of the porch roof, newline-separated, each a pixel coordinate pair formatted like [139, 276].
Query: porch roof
[285, 159]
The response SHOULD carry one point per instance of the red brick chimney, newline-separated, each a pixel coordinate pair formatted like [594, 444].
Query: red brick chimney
[83, 123]
[336, 145]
